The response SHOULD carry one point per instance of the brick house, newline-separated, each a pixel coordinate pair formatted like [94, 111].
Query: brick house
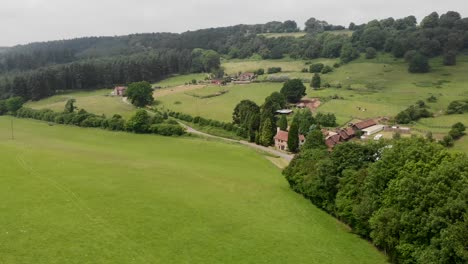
[246, 76]
[281, 139]
[119, 90]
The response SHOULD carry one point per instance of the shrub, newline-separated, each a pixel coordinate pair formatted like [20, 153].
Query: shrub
[282, 78]
[371, 53]
[260, 72]
[457, 107]
[316, 68]
[167, 129]
[327, 69]
[274, 70]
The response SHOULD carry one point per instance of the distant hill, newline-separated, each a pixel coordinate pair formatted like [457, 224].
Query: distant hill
[38, 70]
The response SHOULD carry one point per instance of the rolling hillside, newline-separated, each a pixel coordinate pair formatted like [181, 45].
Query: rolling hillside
[90, 196]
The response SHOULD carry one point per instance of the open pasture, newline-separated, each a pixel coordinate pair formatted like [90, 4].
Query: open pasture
[75, 195]
[97, 102]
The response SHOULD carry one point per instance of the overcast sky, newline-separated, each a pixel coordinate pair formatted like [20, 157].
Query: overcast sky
[24, 21]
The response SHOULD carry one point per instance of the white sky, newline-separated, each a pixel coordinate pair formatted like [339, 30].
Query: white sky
[24, 21]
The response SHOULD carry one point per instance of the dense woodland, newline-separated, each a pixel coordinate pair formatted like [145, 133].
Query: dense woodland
[409, 196]
[38, 70]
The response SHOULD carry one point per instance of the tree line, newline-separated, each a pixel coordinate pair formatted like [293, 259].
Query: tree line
[408, 196]
[105, 72]
[141, 122]
[39, 69]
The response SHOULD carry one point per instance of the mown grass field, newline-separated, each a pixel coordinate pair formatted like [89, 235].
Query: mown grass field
[98, 102]
[180, 80]
[380, 87]
[74, 195]
[219, 107]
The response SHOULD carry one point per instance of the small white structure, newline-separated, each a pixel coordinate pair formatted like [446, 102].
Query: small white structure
[378, 137]
[373, 129]
[284, 111]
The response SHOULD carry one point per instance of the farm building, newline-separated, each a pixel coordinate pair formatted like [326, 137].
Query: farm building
[217, 82]
[246, 76]
[373, 129]
[364, 124]
[119, 90]
[281, 139]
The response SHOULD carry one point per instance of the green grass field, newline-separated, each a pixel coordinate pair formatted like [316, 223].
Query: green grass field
[98, 102]
[219, 107]
[75, 195]
[382, 86]
[180, 80]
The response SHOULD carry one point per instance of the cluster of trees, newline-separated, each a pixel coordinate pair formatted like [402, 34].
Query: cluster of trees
[38, 70]
[458, 107]
[457, 131]
[11, 105]
[201, 121]
[260, 122]
[140, 94]
[408, 196]
[436, 35]
[413, 113]
[104, 72]
[141, 122]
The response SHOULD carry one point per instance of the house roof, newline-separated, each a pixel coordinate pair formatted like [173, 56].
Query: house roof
[365, 124]
[330, 143]
[120, 88]
[350, 131]
[343, 134]
[336, 138]
[283, 135]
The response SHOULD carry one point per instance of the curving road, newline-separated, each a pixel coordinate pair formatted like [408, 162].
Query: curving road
[286, 156]
[275, 152]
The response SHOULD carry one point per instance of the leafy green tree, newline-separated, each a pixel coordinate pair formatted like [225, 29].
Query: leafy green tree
[457, 131]
[316, 81]
[371, 53]
[3, 107]
[450, 58]
[457, 107]
[430, 21]
[277, 100]
[327, 69]
[242, 110]
[305, 120]
[139, 123]
[70, 106]
[418, 64]
[293, 138]
[293, 90]
[315, 140]
[348, 53]
[326, 120]
[283, 123]
[314, 26]
[140, 94]
[266, 132]
[13, 104]
[316, 68]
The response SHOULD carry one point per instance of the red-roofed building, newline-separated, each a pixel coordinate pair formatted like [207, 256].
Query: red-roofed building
[119, 90]
[281, 139]
[246, 76]
[364, 124]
